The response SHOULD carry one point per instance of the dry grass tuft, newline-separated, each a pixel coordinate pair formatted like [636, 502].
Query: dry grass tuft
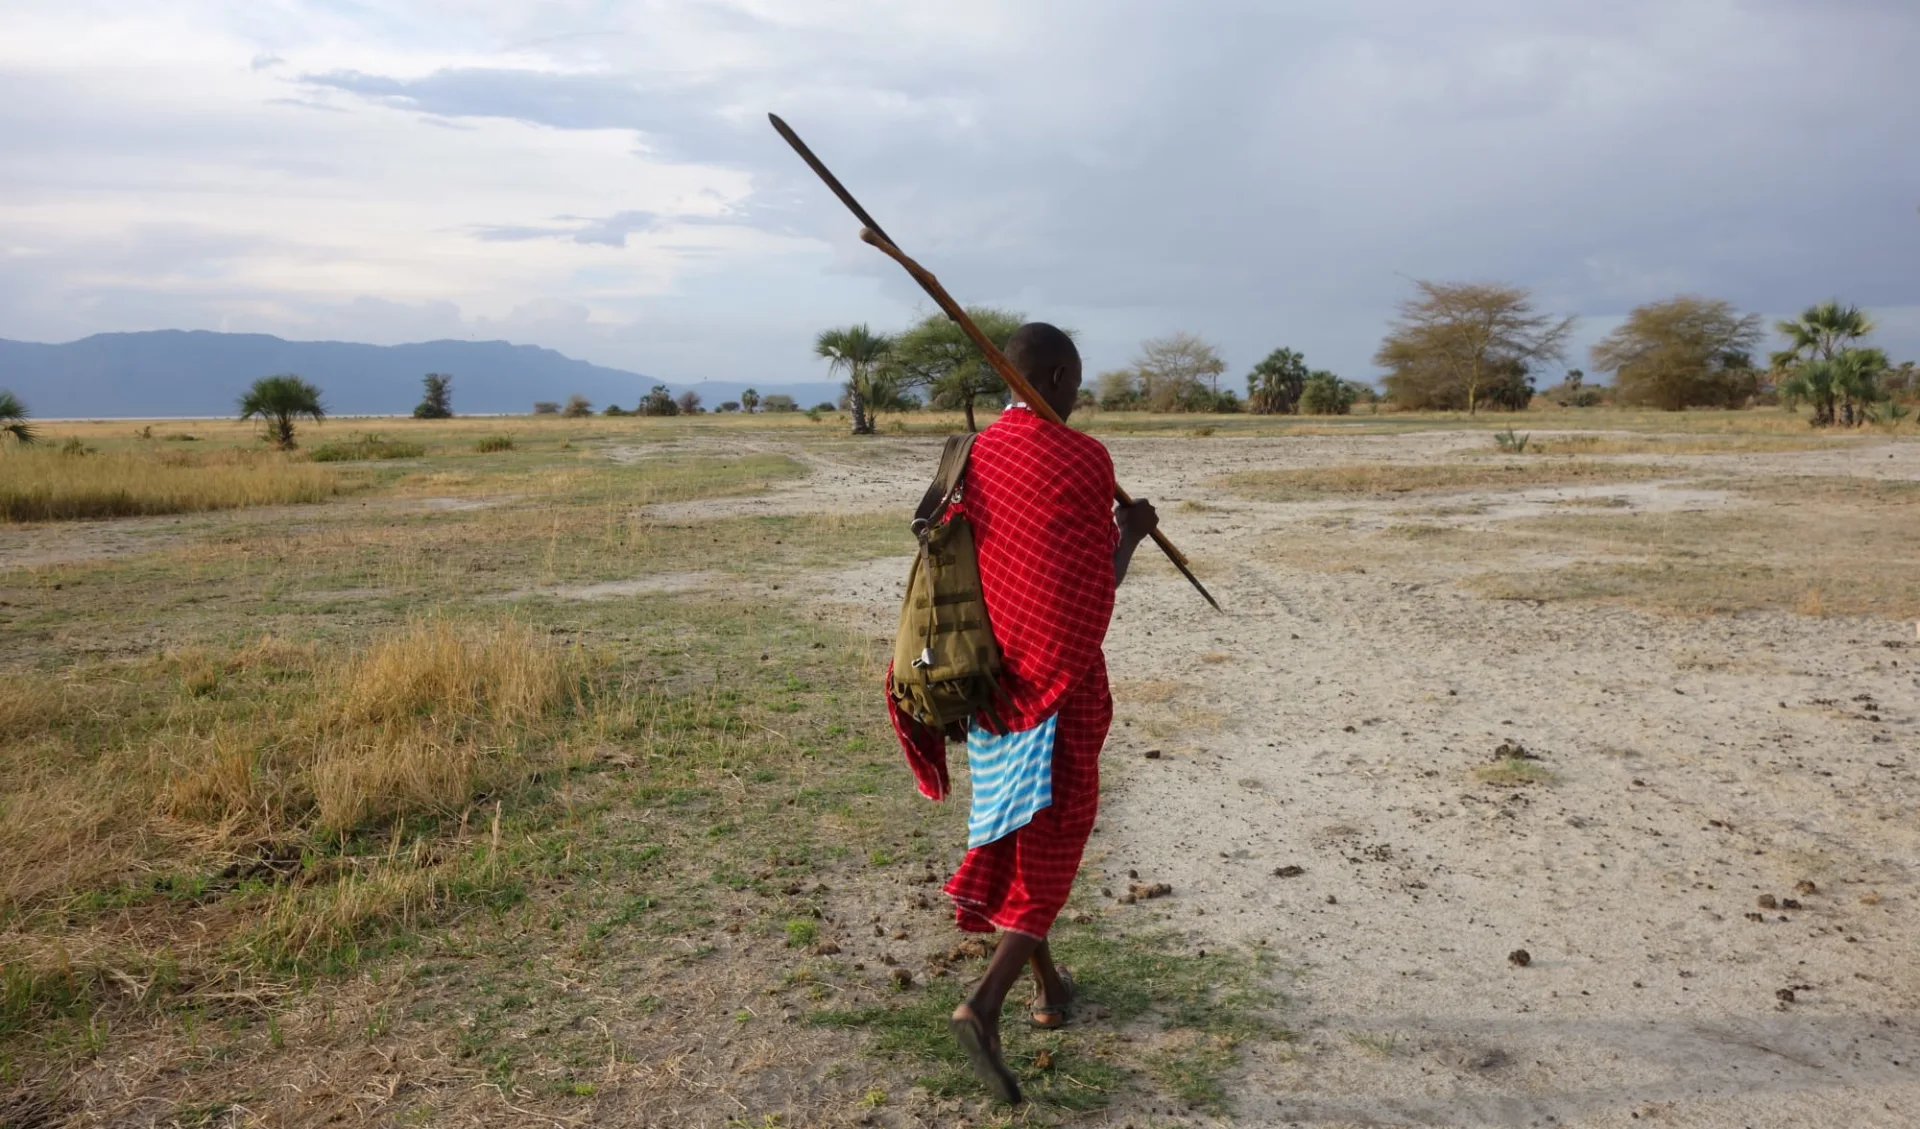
[508, 674]
[1513, 772]
[41, 484]
[29, 702]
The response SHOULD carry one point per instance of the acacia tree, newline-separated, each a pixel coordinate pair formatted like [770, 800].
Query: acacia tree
[437, 403]
[1117, 390]
[861, 354]
[13, 419]
[278, 401]
[1172, 368]
[1275, 384]
[1454, 341]
[689, 402]
[936, 355]
[1817, 367]
[1681, 353]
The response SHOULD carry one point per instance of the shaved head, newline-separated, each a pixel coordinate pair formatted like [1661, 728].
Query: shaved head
[1046, 356]
[1036, 349]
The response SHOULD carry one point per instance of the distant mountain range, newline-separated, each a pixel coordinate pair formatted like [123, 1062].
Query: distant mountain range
[200, 373]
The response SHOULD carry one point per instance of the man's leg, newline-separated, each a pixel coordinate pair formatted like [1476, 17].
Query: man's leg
[1052, 991]
[976, 1023]
[1009, 961]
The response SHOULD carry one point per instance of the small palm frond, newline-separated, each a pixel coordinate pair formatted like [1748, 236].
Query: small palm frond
[13, 419]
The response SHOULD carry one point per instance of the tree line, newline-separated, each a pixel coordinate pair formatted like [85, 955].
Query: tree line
[1452, 346]
[1467, 346]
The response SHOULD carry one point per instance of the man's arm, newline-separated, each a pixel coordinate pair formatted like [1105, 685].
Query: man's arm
[1137, 522]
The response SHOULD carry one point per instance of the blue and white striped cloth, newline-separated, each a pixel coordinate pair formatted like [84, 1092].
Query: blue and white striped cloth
[1012, 779]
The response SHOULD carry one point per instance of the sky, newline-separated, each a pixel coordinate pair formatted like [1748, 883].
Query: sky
[599, 177]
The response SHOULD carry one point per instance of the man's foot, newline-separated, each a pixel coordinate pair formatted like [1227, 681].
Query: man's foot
[983, 1052]
[1051, 1010]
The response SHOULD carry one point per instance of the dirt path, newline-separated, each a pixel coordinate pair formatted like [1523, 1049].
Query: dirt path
[1699, 770]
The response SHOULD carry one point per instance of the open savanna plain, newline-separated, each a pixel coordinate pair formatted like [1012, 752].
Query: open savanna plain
[546, 781]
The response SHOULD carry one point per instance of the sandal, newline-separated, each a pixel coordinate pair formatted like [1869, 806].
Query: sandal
[1053, 1016]
[988, 1067]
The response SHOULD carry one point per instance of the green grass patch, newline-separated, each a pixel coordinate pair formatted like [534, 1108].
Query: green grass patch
[1194, 1012]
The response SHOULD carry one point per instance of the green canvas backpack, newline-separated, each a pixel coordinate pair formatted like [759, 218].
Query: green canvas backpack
[946, 665]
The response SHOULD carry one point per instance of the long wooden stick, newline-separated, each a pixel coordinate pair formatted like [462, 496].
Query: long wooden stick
[874, 236]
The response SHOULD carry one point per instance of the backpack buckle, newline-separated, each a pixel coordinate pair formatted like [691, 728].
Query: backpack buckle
[925, 661]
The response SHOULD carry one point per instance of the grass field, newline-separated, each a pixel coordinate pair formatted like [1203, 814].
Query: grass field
[343, 789]
[348, 770]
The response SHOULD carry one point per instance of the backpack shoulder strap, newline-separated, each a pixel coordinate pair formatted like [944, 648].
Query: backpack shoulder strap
[953, 469]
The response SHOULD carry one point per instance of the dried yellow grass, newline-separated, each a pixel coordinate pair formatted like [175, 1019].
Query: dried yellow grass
[422, 721]
[507, 674]
[302, 922]
[28, 703]
[44, 484]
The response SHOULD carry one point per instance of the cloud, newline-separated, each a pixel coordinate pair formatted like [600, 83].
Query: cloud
[1262, 174]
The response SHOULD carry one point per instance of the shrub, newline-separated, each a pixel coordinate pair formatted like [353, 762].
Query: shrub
[615, 410]
[492, 443]
[578, 407]
[545, 408]
[779, 402]
[1325, 394]
[730, 406]
[659, 402]
[364, 448]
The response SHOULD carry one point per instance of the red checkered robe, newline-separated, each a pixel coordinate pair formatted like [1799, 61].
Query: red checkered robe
[1040, 497]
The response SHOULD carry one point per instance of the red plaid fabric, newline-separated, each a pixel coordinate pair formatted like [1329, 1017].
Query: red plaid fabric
[1040, 497]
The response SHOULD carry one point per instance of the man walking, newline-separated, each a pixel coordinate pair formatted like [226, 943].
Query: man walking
[1052, 548]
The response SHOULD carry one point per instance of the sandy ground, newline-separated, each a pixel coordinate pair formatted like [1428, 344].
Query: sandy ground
[1333, 722]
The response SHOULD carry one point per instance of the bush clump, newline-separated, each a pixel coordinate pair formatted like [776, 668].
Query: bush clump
[366, 448]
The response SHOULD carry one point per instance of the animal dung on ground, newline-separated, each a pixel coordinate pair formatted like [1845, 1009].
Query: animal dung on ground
[901, 977]
[1805, 886]
[1289, 871]
[1768, 901]
[1141, 891]
[1152, 754]
[1520, 958]
[1514, 750]
[1784, 995]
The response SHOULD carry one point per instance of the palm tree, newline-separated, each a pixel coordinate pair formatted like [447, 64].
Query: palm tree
[13, 419]
[860, 352]
[750, 401]
[278, 400]
[1823, 335]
